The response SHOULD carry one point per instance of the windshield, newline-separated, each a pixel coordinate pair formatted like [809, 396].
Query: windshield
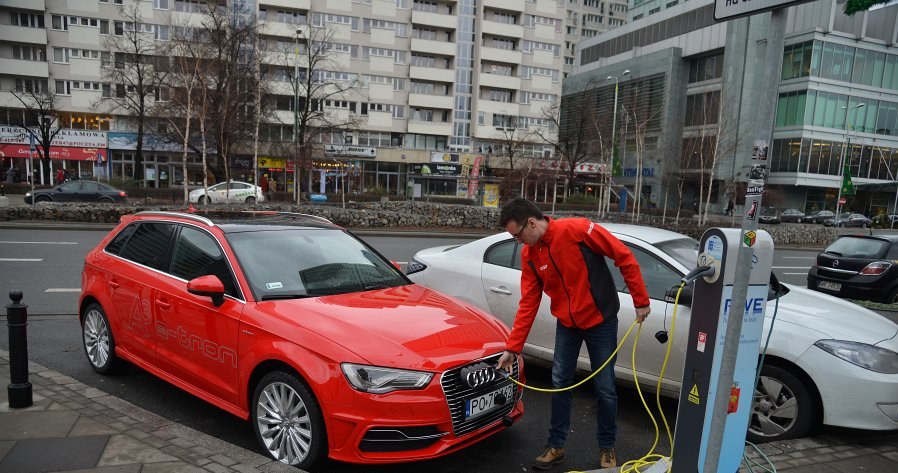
[308, 262]
[684, 250]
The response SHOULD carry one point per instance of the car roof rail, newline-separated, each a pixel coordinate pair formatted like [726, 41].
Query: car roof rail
[314, 217]
[179, 215]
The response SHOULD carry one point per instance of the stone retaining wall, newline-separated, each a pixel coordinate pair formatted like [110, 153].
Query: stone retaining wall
[410, 215]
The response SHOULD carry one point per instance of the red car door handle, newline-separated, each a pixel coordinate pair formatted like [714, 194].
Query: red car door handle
[113, 284]
[163, 304]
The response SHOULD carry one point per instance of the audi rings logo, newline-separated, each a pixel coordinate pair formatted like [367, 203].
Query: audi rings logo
[477, 375]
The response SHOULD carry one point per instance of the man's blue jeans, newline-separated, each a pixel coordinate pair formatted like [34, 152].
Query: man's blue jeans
[601, 341]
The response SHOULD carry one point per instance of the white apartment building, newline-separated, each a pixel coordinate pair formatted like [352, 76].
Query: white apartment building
[585, 19]
[446, 78]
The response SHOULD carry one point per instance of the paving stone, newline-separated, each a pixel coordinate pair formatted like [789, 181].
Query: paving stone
[217, 468]
[173, 467]
[29, 425]
[122, 449]
[42, 455]
[226, 461]
[88, 426]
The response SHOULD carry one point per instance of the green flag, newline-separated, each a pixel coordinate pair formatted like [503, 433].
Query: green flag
[847, 183]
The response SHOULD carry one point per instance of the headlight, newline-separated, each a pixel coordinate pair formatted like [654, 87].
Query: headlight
[28, 194]
[866, 356]
[378, 380]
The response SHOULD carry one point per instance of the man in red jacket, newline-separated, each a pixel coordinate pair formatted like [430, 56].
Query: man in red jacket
[566, 260]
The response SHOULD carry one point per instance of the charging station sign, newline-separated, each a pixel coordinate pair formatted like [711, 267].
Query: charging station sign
[743, 377]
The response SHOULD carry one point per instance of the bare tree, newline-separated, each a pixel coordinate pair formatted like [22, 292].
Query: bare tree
[318, 84]
[509, 145]
[134, 67]
[40, 121]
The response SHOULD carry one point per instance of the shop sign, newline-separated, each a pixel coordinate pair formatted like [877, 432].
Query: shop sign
[56, 152]
[590, 168]
[440, 157]
[151, 142]
[65, 137]
[357, 151]
[438, 169]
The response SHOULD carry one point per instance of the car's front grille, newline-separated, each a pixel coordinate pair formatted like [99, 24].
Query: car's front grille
[457, 391]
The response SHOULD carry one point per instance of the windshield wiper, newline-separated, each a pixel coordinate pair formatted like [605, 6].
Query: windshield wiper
[834, 253]
[274, 297]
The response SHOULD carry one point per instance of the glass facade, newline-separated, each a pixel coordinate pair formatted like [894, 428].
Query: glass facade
[814, 156]
[840, 62]
[829, 110]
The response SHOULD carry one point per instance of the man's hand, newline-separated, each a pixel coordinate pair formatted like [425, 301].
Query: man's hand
[642, 313]
[506, 362]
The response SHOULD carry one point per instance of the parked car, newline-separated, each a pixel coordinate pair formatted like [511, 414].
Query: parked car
[78, 191]
[821, 349]
[847, 219]
[881, 220]
[769, 215]
[228, 192]
[791, 216]
[296, 325]
[817, 216]
[858, 267]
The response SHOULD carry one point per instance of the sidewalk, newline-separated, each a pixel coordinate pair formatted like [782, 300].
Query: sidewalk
[72, 427]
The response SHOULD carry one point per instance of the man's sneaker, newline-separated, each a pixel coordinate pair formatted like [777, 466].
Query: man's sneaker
[607, 458]
[550, 457]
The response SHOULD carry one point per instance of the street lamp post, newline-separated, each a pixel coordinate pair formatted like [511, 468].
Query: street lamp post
[842, 161]
[614, 127]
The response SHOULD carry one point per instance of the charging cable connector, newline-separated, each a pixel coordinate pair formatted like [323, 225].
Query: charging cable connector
[699, 272]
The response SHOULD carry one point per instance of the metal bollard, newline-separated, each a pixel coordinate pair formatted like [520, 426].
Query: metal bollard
[19, 389]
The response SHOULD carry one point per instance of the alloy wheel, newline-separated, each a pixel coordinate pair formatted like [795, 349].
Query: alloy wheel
[284, 423]
[96, 338]
[775, 408]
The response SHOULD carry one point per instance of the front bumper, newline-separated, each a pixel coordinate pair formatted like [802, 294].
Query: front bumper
[407, 426]
[852, 396]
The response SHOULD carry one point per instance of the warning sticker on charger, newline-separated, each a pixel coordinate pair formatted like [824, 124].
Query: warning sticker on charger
[702, 340]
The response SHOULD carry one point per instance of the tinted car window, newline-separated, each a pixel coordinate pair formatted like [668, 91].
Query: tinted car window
[503, 254]
[854, 247]
[658, 276]
[115, 246]
[149, 245]
[197, 254]
[90, 187]
[70, 186]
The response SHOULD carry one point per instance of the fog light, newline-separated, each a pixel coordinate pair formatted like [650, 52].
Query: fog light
[889, 409]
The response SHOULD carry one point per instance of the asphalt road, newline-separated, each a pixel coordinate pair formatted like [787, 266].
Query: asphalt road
[46, 266]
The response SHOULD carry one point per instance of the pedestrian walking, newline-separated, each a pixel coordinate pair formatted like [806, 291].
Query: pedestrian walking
[566, 260]
[731, 206]
[263, 184]
[60, 176]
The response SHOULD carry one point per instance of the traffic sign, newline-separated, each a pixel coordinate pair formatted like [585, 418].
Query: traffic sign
[842, 201]
[725, 10]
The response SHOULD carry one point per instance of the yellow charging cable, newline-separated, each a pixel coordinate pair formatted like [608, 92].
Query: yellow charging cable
[651, 457]
[600, 368]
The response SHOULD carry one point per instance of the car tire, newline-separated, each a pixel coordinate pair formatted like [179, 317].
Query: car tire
[842, 225]
[97, 340]
[42, 198]
[105, 200]
[205, 200]
[783, 407]
[892, 298]
[250, 200]
[301, 439]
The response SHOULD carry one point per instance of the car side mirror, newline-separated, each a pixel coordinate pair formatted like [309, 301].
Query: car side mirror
[685, 296]
[208, 286]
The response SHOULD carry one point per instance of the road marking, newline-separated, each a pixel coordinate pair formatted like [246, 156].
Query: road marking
[40, 242]
[799, 257]
[795, 274]
[790, 267]
[63, 289]
[29, 260]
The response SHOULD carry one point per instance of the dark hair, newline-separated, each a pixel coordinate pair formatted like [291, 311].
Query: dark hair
[519, 210]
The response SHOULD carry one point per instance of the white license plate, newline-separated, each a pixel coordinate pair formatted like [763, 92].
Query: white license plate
[487, 402]
[832, 286]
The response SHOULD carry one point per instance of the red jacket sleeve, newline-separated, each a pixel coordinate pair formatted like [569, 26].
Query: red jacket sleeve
[603, 242]
[531, 296]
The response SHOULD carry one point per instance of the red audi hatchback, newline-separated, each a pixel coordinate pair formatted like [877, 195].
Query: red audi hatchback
[296, 325]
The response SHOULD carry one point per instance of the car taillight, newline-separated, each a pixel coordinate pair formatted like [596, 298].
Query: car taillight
[878, 267]
[123, 194]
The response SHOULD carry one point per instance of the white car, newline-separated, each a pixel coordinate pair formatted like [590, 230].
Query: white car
[228, 192]
[828, 360]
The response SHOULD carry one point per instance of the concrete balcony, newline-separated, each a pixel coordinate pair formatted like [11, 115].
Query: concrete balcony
[430, 128]
[431, 101]
[24, 5]
[438, 20]
[24, 68]
[276, 28]
[501, 55]
[500, 108]
[503, 29]
[432, 74]
[291, 4]
[21, 34]
[513, 5]
[499, 81]
[435, 47]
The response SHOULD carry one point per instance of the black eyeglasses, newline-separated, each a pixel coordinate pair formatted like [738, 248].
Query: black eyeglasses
[518, 234]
